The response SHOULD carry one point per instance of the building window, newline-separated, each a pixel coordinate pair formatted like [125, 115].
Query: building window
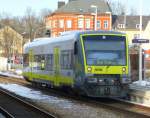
[121, 26]
[69, 24]
[54, 23]
[105, 24]
[80, 23]
[49, 24]
[61, 23]
[87, 23]
[98, 24]
[136, 36]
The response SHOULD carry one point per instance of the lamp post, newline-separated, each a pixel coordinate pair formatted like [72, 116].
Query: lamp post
[140, 47]
[95, 14]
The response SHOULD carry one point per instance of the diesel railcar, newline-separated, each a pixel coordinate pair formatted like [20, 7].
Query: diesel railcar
[94, 63]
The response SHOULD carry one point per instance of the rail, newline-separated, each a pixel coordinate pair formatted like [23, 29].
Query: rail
[112, 104]
[18, 107]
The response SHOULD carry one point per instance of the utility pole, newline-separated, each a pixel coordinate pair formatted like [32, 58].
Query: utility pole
[140, 47]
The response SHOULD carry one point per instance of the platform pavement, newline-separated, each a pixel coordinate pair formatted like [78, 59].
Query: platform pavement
[140, 92]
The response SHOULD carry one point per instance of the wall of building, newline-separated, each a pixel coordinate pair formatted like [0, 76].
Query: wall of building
[3, 63]
[87, 22]
[14, 37]
[134, 33]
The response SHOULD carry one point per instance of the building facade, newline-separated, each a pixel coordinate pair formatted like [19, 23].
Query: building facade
[80, 15]
[10, 42]
[131, 26]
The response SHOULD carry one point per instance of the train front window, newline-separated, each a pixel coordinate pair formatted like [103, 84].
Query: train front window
[105, 50]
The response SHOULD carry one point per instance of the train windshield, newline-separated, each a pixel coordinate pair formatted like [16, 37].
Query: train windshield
[106, 50]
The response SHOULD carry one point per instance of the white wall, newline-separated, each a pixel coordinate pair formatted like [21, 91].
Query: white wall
[3, 63]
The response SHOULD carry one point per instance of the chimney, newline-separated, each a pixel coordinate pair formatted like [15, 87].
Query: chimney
[61, 3]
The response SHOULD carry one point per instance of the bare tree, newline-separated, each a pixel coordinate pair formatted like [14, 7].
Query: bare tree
[117, 7]
[33, 22]
[45, 12]
[133, 11]
[5, 19]
[27, 25]
[29, 21]
[41, 29]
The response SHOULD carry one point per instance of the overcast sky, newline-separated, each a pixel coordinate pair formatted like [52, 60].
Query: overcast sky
[18, 7]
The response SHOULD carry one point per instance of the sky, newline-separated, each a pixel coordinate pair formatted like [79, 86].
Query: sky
[18, 7]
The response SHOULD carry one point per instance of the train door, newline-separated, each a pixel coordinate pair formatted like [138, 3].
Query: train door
[56, 65]
[31, 59]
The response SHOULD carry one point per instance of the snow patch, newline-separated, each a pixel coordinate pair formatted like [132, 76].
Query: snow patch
[12, 74]
[37, 95]
[142, 83]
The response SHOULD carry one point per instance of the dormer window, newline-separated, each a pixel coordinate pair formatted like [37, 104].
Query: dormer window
[121, 26]
[137, 26]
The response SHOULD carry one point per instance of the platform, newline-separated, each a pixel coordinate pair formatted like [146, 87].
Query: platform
[140, 93]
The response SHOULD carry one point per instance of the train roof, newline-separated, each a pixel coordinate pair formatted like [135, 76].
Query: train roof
[78, 32]
[67, 36]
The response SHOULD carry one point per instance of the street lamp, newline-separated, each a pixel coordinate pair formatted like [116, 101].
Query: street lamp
[140, 47]
[95, 14]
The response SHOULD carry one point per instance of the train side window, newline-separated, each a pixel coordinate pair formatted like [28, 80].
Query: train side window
[42, 62]
[49, 62]
[66, 59]
[37, 59]
[39, 62]
[75, 48]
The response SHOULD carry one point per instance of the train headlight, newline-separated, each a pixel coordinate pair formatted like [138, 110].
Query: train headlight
[101, 81]
[112, 81]
[123, 69]
[89, 69]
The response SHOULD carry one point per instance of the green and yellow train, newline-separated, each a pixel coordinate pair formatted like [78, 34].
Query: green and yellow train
[93, 63]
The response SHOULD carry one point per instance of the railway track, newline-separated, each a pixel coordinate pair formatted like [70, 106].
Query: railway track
[132, 109]
[119, 105]
[5, 113]
[14, 107]
[13, 79]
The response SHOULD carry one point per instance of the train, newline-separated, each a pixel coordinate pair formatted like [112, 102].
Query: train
[92, 63]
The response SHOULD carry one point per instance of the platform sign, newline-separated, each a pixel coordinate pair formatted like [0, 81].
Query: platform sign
[140, 41]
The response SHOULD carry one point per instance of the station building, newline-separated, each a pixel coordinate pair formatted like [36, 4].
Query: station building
[80, 15]
[131, 26]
